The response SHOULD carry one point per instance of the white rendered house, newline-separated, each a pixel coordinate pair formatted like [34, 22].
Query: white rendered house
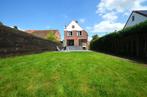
[136, 17]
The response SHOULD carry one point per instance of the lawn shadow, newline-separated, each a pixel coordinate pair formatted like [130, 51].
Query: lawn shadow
[132, 58]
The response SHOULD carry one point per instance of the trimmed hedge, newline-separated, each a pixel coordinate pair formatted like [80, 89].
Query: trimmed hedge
[131, 41]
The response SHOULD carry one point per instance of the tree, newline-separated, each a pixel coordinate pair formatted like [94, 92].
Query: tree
[94, 37]
[51, 36]
[93, 42]
[15, 27]
[1, 23]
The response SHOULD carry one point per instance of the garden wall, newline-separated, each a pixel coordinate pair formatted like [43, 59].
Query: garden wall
[13, 41]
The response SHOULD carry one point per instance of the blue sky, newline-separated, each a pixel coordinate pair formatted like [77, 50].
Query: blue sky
[96, 16]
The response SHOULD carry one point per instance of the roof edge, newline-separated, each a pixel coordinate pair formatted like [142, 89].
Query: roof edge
[138, 11]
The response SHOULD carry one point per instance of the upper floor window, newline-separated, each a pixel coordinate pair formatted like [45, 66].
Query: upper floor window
[73, 26]
[79, 33]
[69, 33]
[133, 18]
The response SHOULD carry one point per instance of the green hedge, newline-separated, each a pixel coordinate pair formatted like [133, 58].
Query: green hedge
[123, 41]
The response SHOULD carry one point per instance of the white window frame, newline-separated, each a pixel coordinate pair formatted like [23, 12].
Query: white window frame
[79, 33]
[69, 33]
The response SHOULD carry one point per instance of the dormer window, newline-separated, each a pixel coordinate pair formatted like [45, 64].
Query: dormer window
[73, 26]
[133, 18]
[69, 33]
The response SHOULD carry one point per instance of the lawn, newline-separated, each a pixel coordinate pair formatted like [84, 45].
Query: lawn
[72, 74]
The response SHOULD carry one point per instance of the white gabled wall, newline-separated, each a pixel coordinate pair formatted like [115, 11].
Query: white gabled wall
[138, 19]
[76, 27]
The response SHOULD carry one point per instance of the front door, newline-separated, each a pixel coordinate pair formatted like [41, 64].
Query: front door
[80, 42]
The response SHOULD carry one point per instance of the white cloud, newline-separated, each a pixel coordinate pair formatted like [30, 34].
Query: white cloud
[89, 38]
[110, 16]
[107, 26]
[82, 20]
[110, 10]
[21, 29]
[120, 6]
[18, 28]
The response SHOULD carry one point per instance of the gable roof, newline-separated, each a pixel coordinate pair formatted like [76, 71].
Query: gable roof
[141, 12]
[76, 26]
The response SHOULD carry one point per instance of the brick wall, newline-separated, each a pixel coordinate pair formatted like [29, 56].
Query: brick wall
[75, 37]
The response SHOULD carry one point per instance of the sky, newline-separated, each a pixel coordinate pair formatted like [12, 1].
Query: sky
[95, 16]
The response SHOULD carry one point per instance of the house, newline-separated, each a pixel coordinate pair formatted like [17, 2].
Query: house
[44, 33]
[136, 17]
[75, 36]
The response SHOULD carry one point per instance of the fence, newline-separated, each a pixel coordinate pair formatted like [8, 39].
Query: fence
[13, 41]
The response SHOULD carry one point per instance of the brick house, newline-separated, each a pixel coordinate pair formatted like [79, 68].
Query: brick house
[44, 33]
[75, 36]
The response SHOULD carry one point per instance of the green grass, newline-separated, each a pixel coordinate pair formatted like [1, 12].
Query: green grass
[72, 74]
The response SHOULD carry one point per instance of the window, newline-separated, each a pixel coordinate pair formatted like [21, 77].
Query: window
[73, 26]
[69, 33]
[133, 18]
[79, 33]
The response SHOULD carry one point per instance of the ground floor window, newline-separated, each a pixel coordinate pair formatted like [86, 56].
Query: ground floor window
[70, 42]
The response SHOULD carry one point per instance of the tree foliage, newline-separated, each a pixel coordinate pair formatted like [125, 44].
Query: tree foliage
[94, 38]
[1, 23]
[51, 36]
[15, 27]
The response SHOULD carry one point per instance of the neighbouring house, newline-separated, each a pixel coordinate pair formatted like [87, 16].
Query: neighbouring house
[45, 33]
[75, 36]
[136, 17]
